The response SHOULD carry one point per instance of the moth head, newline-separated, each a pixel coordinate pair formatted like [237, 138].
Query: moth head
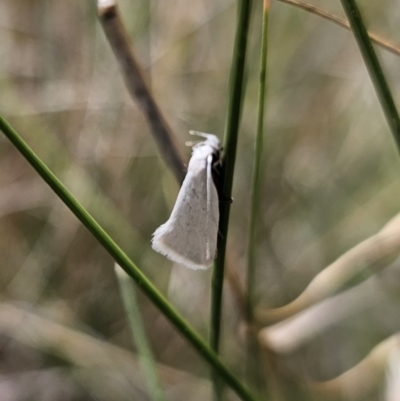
[210, 141]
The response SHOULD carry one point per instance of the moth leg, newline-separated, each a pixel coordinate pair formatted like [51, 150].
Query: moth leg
[230, 200]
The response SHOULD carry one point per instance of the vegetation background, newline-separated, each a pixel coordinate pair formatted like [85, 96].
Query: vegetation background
[331, 178]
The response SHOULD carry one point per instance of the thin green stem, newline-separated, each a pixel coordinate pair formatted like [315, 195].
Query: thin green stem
[255, 201]
[129, 299]
[123, 260]
[374, 68]
[258, 151]
[230, 142]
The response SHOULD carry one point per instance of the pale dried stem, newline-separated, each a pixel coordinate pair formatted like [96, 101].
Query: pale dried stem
[84, 351]
[22, 196]
[384, 244]
[360, 380]
[292, 333]
[392, 379]
[137, 86]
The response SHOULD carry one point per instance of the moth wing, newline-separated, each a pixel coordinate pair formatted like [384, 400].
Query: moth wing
[189, 237]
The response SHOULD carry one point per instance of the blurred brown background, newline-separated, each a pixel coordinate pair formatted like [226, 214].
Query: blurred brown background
[331, 178]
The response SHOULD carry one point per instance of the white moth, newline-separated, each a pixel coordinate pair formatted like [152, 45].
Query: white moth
[189, 237]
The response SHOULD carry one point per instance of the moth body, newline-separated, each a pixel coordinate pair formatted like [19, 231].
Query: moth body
[189, 237]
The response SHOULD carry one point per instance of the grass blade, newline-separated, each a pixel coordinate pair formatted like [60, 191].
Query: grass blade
[230, 142]
[375, 71]
[252, 358]
[129, 299]
[123, 260]
[256, 179]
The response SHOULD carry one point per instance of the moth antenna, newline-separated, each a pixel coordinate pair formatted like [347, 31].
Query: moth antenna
[191, 143]
[198, 133]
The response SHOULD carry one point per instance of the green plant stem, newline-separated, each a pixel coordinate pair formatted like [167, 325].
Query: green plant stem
[123, 260]
[129, 299]
[373, 66]
[252, 357]
[258, 151]
[230, 142]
